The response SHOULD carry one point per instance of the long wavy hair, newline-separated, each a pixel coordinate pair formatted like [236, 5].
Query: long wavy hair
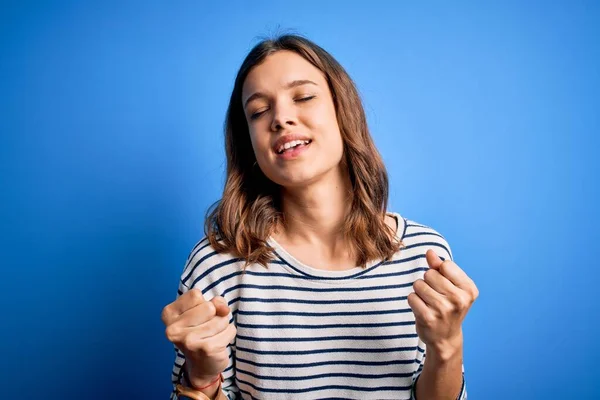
[250, 208]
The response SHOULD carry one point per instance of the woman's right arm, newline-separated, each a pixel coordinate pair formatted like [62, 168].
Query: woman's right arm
[201, 332]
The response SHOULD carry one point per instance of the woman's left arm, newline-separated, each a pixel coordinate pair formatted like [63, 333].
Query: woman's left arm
[440, 303]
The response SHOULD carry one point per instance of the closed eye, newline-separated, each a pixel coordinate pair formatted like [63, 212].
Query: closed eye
[307, 98]
[257, 114]
[301, 100]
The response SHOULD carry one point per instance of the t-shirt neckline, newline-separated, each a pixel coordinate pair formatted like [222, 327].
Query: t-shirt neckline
[298, 268]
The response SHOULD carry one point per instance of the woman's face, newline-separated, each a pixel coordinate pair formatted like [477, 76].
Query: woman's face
[287, 102]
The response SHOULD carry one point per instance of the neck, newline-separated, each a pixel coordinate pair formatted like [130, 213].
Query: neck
[314, 214]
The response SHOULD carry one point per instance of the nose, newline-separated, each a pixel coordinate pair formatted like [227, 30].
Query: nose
[283, 116]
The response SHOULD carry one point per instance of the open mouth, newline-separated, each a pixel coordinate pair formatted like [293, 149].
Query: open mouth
[293, 145]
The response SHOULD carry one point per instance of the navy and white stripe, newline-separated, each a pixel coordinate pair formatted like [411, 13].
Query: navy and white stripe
[308, 333]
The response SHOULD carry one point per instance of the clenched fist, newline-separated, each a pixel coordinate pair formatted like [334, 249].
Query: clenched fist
[201, 330]
[440, 303]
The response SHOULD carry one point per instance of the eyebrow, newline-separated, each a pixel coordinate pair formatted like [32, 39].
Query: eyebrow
[292, 84]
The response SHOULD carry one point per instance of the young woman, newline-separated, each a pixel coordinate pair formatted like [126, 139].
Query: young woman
[305, 287]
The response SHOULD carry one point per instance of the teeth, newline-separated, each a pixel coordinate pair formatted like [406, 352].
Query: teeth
[291, 144]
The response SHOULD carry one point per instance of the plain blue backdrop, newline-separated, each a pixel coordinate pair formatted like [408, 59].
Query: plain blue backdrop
[111, 150]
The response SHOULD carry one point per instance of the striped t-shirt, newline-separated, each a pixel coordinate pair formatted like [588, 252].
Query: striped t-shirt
[310, 333]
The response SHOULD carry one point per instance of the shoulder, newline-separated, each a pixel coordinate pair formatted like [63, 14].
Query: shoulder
[204, 266]
[418, 238]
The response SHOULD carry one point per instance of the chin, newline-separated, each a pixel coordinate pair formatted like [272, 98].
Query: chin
[302, 174]
[291, 177]
[293, 181]
[299, 178]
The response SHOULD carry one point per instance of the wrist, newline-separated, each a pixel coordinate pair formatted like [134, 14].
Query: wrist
[446, 352]
[201, 382]
[213, 392]
[204, 383]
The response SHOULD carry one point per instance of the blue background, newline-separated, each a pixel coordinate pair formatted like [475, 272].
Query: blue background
[111, 150]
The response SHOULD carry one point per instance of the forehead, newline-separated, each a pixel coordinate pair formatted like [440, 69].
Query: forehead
[277, 70]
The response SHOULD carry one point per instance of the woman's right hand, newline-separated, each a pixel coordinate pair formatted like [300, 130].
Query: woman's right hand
[201, 330]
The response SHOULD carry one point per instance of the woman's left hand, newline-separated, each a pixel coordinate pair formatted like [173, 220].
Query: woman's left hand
[440, 303]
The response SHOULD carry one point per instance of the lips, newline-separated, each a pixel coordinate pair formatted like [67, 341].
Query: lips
[286, 139]
[290, 146]
[294, 152]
